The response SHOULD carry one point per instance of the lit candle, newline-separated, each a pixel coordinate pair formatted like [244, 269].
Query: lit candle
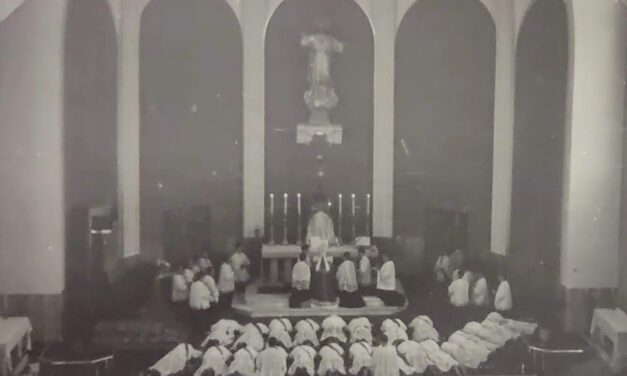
[368, 205]
[353, 204]
[298, 202]
[285, 203]
[271, 203]
[339, 204]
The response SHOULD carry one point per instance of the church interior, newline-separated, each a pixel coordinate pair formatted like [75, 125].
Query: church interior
[313, 187]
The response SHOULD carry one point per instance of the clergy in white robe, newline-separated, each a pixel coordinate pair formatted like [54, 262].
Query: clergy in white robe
[519, 327]
[385, 359]
[493, 337]
[333, 327]
[226, 285]
[503, 298]
[421, 328]
[347, 284]
[253, 335]
[359, 322]
[361, 334]
[386, 284]
[281, 324]
[175, 360]
[230, 326]
[200, 297]
[461, 355]
[360, 354]
[414, 354]
[479, 352]
[306, 333]
[189, 275]
[214, 358]
[458, 292]
[365, 271]
[331, 359]
[480, 295]
[436, 357]
[301, 281]
[391, 323]
[282, 336]
[208, 280]
[180, 288]
[321, 225]
[273, 360]
[243, 362]
[303, 357]
[240, 264]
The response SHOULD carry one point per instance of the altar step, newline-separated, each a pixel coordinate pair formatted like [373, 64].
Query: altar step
[256, 305]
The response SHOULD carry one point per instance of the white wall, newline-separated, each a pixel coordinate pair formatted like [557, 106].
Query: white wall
[32, 238]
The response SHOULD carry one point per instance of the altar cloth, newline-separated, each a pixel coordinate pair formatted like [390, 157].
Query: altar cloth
[269, 251]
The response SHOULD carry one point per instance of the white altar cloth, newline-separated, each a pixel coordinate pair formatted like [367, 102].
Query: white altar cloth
[292, 251]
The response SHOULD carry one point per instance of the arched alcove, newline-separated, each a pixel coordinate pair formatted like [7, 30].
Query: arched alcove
[444, 110]
[539, 141]
[191, 119]
[293, 168]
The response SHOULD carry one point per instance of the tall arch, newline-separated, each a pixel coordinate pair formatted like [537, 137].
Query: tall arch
[444, 106]
[191, 118]
[539, 141]
[293, 168]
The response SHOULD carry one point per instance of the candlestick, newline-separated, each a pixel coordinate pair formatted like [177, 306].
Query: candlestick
[271, 218]
[339, 219]
[285, 219]
[368, 214]
[299, 231]
[353, 214]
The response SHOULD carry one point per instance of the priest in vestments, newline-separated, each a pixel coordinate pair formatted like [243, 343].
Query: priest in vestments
[321, 225]
[324, 285]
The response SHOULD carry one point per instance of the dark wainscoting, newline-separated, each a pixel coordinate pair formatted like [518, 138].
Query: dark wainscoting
[44, 310]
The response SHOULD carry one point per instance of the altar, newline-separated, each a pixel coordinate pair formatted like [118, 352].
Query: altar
[277, 260]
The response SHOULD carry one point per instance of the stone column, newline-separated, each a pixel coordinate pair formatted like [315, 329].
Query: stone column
[128, 23]
[253, 20]
[383, 19]
[593, 160]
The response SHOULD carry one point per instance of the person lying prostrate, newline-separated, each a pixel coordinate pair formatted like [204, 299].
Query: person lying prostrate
[333, 327]
[360, 354]
[243, 363]
[503, 301]
[390, 323]
[273, 360]
[395, 334]
[414, 355]
[281, 324]
[461, 355]
[347, 284]
[306, 333]
[461, 338]
[282, 337]
[421, 328]
[175, 360]
[520, 327]
[458, 292]
[480, 296]
[361, 334]
[438, 358]
[385, 359]
[492, 336]
[253, 335]
[303, 358]
[359, 322]
[331, 360]
[229, 326]
[489, 346]
[214, 361]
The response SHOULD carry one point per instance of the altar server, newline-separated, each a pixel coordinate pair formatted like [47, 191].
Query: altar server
[226, 285]
[175, 360]
[273, 360]
[333, 327]
[243, 363]
[200, 299]
[421, 328]
[207, 279]
[414, 354]
[180, 287]
[331, 360]
[365, 272]
[360, 354]
[240, 264]
[441, 267]
[214, 360]
[503, 298]
[480, 296]
[303, 357]
[253, 335]
[386, 284]
[301, 280]
[458, 292]
[347, 284]
[306, 333]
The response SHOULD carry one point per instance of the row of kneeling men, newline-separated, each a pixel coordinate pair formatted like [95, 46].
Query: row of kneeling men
[334, 347]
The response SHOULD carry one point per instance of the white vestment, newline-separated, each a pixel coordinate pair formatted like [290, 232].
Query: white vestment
[391, 323]
[365, 271]
[333, 326]
[230, 326]
[480, 293]
[460, 354]
[361, 356]
[306, 333]
[214, 358]
[458, 292]
[272, 362]
[180, 288]
[503, 297]
[480, 353]
[423, 329]
[199, 296]
[359, 322]
[301, 276]
[175, 360]
[252, 335]
[307, 324]
[331, 359]
[385, 361]
[346, 277]
[282, 336]
[302, 357]
[414, 354]
[491, 336]
[189, 275]
[243, 362]
[361, 334]
[226, 278]
[240, 262]
[281, 324]
[438, 358]
[519, 327]
[211, 285]
[386, 279]
[321, 225]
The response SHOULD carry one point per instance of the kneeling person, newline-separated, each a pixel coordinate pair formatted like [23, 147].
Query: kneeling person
[347, 284]
[301, 279]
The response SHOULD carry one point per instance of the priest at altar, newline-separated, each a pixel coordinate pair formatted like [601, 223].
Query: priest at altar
[320, 235]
